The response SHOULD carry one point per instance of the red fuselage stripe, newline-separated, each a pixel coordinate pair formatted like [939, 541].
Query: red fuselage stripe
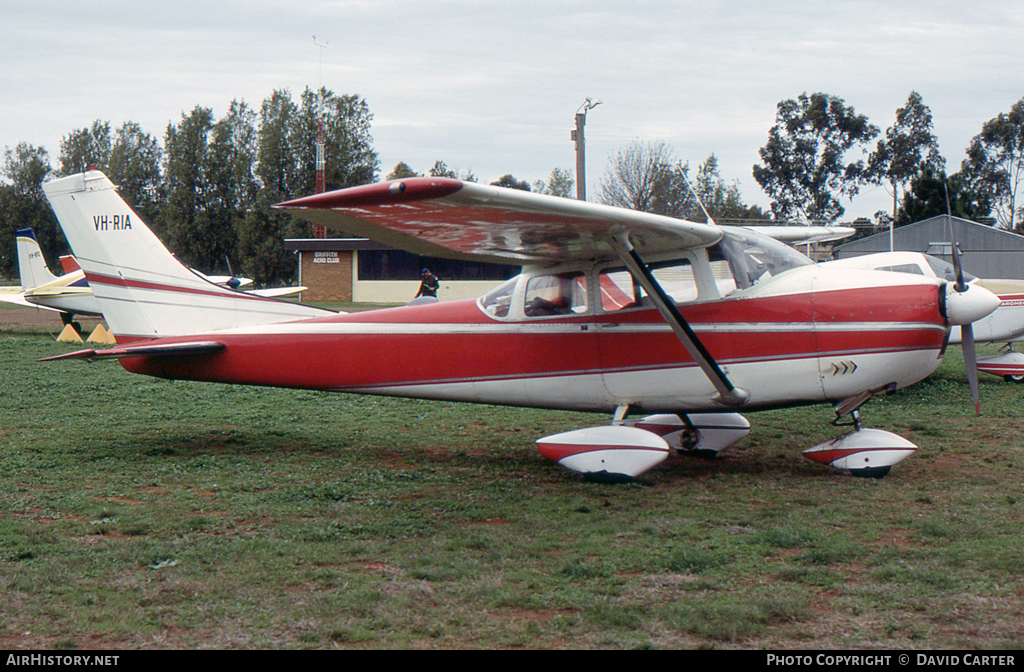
[99, 279]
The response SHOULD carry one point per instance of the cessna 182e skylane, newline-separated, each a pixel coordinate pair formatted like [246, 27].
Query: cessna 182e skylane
[616, 311]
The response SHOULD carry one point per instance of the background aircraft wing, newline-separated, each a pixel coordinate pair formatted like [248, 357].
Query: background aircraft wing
[441, 217]
[799, 235]
[16, 296]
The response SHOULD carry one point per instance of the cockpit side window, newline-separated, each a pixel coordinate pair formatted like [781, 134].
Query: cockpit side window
[913, 269]
[497, 301]
[561, 294]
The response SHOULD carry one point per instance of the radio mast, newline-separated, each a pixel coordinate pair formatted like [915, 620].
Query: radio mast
[321, 158]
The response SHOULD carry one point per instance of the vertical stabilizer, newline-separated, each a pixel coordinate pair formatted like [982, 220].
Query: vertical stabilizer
[31, 265]
[144, 292]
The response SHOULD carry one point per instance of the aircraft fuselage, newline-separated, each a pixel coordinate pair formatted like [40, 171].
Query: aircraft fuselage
[806, 336]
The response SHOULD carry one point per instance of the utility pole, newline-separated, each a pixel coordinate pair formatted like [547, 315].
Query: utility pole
[581, 147]
[321, 156]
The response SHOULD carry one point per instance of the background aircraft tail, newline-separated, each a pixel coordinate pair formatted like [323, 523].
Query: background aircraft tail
[143, 291]
[31, 265]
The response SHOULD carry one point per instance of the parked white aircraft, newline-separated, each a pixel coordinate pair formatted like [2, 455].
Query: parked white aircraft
[70, 293]
[1004, 325]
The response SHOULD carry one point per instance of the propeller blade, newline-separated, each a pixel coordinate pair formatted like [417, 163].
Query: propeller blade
[955, 251]
[971, 362]
[966, 330]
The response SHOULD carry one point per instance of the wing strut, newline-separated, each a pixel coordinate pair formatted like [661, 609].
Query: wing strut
[728, 394]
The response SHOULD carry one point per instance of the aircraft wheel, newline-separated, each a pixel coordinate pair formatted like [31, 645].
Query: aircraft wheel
[689, 439]
[1013, 378]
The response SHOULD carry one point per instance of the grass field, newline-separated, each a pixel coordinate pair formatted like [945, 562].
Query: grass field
[141, 513]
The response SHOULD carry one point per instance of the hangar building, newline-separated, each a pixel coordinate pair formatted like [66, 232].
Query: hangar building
[987, 252]
[362, 271]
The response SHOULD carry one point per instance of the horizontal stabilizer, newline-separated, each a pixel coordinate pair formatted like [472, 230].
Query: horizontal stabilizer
[161, 350]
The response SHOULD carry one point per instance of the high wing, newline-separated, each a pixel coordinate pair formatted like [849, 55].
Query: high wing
[442, 217]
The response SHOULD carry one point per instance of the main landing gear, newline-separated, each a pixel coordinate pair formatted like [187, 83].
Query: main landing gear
[864, 452]
[1009, 364]
[625, 449]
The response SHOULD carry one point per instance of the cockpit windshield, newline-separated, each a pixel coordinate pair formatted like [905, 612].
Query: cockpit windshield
[752, 257]
[945, 269]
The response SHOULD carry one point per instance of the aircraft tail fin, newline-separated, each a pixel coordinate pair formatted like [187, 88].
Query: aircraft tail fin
[31, 265]
[143, 291]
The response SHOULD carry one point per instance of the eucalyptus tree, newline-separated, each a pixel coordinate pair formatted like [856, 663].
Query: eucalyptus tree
[908, 147]
[509, 181]
[441, 169]
[22, 205]
[401, 171]
[723, 201]
[995, 165]
[559, 183]
[931, 192]
[805, 170]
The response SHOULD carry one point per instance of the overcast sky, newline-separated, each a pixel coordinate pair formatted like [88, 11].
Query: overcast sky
[493, 87]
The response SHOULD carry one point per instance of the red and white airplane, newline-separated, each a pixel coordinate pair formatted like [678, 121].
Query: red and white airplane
[616, 311]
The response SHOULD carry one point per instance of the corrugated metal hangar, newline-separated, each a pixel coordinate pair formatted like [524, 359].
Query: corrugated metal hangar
[987, 252]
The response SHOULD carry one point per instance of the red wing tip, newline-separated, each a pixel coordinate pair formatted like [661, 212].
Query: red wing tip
[380, 193]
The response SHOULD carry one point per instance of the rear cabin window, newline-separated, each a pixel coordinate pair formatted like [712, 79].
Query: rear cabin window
[561, 294]
[619, 290]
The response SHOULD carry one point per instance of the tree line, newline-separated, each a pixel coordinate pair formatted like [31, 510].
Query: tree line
[805, 167]
[208, 187]
[819, 152]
